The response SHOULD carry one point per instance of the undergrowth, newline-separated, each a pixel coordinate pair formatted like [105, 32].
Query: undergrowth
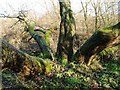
[98, 75]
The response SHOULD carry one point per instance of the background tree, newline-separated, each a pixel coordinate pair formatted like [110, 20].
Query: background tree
[96, 9]
[85, 12]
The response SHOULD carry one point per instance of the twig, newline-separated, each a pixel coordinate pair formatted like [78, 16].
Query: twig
[43, 31]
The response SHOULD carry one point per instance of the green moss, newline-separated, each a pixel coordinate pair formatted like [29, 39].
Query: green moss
[106, 30]
[112, 29]
[31, 25]
[39, 39]
[47, 65]
[64, 61]
[72, 30]
[109, 51]
[48, 36]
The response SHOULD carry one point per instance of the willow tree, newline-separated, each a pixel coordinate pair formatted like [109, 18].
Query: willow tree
[67, 31]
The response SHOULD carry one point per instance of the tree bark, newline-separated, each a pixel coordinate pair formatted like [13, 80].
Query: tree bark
[101, 39]
[41, 42]
[67, 31]
[21, 62]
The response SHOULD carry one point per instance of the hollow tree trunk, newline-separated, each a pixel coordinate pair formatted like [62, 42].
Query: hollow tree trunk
[19, 61]
[67, 31]
[101, 39]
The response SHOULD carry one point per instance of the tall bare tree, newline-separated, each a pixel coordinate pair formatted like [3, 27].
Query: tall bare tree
[85, 12]
[95, 7]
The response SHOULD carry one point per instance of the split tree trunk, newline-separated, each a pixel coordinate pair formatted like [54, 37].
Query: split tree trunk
[101, 39]
[67, 31]
[19, 61]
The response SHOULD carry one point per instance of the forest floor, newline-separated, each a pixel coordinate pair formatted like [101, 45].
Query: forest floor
[99, 75]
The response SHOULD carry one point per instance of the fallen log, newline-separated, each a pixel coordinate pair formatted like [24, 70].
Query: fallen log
[101, 39]
[21, 62]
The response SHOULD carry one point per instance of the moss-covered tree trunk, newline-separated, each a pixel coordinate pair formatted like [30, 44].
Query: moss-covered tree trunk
[101, 39]
[21, 62]
[67, 31]
[46, 51]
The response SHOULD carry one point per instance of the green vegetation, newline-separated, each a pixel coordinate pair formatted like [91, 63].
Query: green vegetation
[72, 76]
[94, 65]
[48, 36]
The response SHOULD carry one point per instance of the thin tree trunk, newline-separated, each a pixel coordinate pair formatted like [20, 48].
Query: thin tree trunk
[41, 42]
[101, 39]
[85, 11]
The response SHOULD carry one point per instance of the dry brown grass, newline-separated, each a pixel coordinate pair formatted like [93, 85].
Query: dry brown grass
[19, 39]
[11, 34]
